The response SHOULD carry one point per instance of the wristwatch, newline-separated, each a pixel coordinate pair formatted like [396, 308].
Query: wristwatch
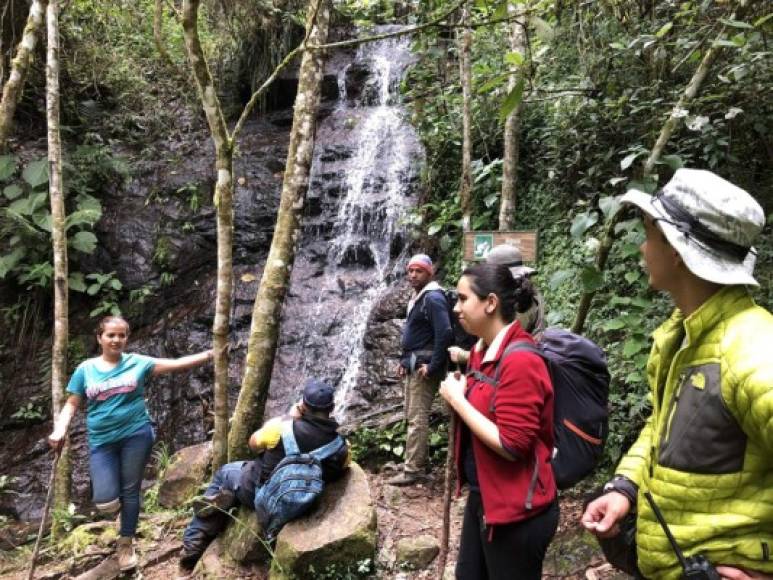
[623, 485]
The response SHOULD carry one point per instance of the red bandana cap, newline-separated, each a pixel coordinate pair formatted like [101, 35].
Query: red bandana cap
[422, 261]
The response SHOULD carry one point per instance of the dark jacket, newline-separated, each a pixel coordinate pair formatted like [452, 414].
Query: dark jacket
[427, 332]
[310, 433]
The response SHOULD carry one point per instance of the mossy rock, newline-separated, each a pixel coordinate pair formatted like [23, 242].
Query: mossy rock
[242, 542]
[338, 535]
[99, 535]
[417, 552]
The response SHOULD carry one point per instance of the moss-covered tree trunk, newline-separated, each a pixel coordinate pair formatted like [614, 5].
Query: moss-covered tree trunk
[224, 205]
[512, 125]
[264, 330]
[465, 76]
[14, 86]
[59, 238]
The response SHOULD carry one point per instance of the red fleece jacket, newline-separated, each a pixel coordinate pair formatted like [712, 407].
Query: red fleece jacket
[511, 491]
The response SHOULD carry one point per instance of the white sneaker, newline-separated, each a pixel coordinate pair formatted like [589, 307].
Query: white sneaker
[127, 559]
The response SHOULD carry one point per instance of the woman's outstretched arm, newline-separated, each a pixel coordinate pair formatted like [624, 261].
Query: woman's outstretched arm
[171, 365]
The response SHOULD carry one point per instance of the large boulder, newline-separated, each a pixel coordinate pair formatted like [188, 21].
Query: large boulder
[337, 535]
[186, 472]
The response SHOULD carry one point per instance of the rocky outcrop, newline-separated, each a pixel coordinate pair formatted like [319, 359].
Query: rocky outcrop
[186, 472]
[340, 533]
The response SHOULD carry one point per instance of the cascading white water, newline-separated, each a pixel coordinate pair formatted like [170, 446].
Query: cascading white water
[363, 180]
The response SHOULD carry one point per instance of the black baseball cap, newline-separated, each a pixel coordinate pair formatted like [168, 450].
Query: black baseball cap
[318, 395]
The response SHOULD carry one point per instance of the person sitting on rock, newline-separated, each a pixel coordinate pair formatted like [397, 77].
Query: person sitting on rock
[235, 483]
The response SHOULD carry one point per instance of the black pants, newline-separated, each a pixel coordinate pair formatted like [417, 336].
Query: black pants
[515, 550]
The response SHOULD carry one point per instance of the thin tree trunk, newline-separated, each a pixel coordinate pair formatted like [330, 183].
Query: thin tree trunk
[59, 237]
[264, 330]
[512, 126]
[158, 37]
[224, 204]
[665, 134]
[465, 76]
[14, 86]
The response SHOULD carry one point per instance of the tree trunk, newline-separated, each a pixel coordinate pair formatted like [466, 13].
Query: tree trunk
[158, 36]
[465, 76]
[264, 330]
[59, 237]
[15, 84]
[224, 204]
[665, 134]
[512, 125]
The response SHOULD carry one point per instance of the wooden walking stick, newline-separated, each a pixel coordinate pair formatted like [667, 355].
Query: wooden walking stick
[444, 532]
[46, 508]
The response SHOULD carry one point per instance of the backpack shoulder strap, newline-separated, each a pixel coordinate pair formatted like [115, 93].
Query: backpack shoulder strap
[518, 346]
[329, 449]
[288, 439]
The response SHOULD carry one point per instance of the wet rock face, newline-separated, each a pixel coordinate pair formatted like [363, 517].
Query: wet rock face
[352, 252]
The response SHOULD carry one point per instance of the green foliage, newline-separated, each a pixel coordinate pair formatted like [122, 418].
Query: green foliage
[68, 519]
[378, 445]
[30, 413]
[361, 569]
[107, 286]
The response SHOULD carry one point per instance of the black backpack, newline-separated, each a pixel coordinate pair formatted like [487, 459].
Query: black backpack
[461, 337]
[578, 370]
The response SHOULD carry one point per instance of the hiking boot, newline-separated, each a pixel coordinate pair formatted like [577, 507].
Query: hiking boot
[127, 559]
[406, 478]
[208, 505]
[183, 572]
[187, 563]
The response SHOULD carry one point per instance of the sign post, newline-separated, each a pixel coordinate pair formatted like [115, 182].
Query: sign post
[477, 245]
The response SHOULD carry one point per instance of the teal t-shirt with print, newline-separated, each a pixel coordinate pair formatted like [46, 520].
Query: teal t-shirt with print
[115, 402]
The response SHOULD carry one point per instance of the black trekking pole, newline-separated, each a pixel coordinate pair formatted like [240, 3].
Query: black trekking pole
[46, 508]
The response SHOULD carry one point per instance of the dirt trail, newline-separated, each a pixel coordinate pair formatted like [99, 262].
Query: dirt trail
[402, 513]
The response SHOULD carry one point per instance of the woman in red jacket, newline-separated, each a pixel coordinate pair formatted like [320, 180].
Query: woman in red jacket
[505, 439]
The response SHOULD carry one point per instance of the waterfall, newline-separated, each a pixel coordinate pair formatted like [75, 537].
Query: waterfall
[363, 179]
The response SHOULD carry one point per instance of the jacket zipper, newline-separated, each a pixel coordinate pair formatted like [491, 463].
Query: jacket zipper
[674, 405]
[658, 430]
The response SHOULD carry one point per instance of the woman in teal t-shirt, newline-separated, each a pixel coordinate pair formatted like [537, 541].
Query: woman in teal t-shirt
[119, 430]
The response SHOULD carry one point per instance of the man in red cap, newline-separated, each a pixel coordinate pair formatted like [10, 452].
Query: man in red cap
[426, 336]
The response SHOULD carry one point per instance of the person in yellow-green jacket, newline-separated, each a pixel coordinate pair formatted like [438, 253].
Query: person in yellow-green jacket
[706, 452]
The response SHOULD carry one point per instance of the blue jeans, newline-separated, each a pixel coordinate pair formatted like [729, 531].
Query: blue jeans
[116, 472]
[201, 531]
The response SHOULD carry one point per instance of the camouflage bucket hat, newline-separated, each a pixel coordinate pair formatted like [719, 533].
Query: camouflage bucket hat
[709, 221]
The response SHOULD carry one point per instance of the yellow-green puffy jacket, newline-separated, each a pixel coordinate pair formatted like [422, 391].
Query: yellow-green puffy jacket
[706, 452]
